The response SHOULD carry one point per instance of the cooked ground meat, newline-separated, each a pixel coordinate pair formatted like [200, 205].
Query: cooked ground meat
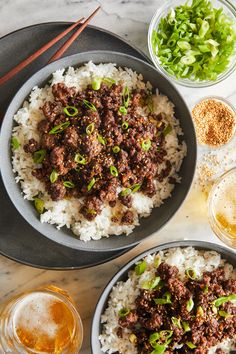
[97, 149]
[165, 311]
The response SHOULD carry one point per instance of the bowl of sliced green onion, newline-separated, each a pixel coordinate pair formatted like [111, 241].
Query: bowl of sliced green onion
[194, 42]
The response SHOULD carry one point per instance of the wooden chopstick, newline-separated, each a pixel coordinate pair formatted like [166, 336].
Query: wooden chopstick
[35, 55]
[68, 43]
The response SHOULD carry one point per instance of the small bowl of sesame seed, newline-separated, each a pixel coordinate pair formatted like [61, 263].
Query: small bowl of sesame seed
[215, 121]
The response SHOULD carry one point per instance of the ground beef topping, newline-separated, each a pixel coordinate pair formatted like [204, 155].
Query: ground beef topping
[173, 315]
[98, 145]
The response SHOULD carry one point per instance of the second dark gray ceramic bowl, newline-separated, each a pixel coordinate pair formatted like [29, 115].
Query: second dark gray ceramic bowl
[122, 275]
[159, 216]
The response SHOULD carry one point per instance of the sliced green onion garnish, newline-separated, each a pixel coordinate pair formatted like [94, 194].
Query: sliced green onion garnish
[53, 176]
[176, 322]
[200, 311]
[135, 187]
[39, 205]
[123, 312]
[96, 83]
[91, 184]
[149, 102]
[126, 96]
[140, 267]
[39, 156]
[190, 305]
[167, 130]
[114, 172]
[59, 128]
[205, 290]
[116, 149]
[191, 274]
[123, 110]
[166, 334]
[165, 300]
[109, 81]
[70, 111]
[146, 144]
[157, 261]
[125, 125]
[80, 159]
[221, 300]
[101, 140]
[191, 345]
[90, 128]
[90, 105]
[186, 326]
[151, 284]
[224, 314]
[77, 169]
[125, 192]
[68, 184]
[154, 337]
[159, 349]
[203, 29]
[14, 143]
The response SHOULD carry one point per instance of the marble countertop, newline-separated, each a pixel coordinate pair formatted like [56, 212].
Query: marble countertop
[129, 19]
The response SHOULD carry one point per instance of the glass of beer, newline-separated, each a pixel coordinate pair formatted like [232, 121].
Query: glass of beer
[44, 320]
[222, 208]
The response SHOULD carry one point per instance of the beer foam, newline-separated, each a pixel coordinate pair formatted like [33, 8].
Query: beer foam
[33, 313]
[224, 199]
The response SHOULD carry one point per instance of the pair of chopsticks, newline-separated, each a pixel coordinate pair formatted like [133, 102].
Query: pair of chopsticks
[48, 45]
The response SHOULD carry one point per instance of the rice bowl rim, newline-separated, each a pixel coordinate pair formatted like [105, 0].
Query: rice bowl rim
[122, 274]
[13, 189]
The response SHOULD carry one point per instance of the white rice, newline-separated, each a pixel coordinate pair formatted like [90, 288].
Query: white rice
[123, 294]
[66, 212]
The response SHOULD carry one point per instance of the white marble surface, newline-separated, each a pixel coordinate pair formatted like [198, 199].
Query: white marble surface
[129, 19]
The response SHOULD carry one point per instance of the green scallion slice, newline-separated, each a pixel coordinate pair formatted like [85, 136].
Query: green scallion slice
[68, 184]
[200, 311]
[39, 205]
[116, 149]
[165, 300]
[123, 110]
[190, 305]
[91, 184]
[221, 300]
[159, 349]
[125, 192]
[140, 267]
[70, 111]
[96, 83]
[157, 261]
[146, 144]
[59, 128]
[186, 326]
[224, 314]
[167, 130]
[101, 140]
[125, 125]
[90, 129]
[114, 172]
[126, 96]
[191, 345]
[39, 156]
[123, 312]
[109, 81]
[80, 159]
[151, 284]
[53, 176]
[176, 322]
[191, 274]
[89, 105]
[135, 187]
[14, 143]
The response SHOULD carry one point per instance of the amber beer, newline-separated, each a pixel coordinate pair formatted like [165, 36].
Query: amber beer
[41, 321]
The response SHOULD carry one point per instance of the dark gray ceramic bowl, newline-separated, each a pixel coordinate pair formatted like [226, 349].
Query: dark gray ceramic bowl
[159, 216]
[122, 275]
